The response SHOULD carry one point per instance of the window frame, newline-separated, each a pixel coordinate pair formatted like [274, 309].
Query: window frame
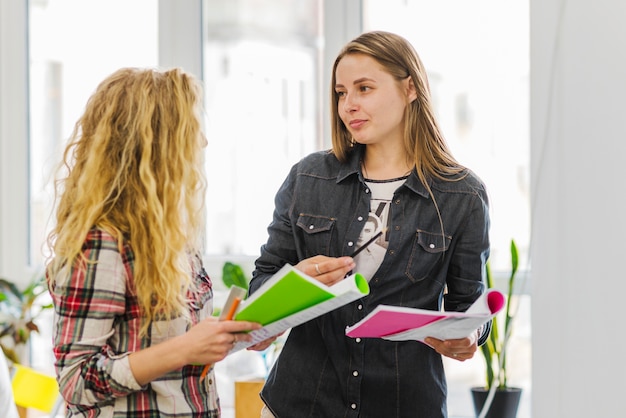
[180, 44]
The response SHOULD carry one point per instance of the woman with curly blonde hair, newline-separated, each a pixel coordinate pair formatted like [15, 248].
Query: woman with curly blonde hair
[133, 303]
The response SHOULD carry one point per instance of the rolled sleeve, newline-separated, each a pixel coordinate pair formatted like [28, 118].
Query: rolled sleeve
[96, 325]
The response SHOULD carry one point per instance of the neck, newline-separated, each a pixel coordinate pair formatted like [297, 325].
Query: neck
[385, 168]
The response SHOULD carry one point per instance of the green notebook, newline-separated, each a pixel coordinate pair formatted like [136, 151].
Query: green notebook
[287, 292]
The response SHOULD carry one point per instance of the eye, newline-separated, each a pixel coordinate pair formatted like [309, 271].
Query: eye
[364, 88]
[340, 93]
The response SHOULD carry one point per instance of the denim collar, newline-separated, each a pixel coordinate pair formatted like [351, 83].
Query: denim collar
[353, 167]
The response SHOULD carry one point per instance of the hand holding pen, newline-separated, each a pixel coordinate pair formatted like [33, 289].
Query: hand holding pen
[235, 296]
[229, 315]
[330, 270]
[368, 242]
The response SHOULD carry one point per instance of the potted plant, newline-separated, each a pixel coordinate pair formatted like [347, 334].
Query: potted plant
[503, 399]
[18, 311]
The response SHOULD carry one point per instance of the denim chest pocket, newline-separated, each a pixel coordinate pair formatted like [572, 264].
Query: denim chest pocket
[426, 253]
[317, 232]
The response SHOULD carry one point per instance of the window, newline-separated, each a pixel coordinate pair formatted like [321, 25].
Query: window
[265, 69]
[263, 101]
[73, 46]
[477, 57]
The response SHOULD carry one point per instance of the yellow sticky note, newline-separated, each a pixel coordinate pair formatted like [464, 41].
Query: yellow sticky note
[32, 389]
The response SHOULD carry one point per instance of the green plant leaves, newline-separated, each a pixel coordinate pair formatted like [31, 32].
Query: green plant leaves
[18, 311]
[494, 349]
[232, 275]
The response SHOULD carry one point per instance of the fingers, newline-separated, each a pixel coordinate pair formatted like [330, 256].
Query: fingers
[460, 356]
[260, 346]
[236, 331]
[236, 338]
[224, 342]
[225, 331]
[459, 349]
[327, 270]
[211, 340]
[317, 269]
[239, 326]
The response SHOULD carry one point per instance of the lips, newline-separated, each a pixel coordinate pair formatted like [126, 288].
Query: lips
[357, 123]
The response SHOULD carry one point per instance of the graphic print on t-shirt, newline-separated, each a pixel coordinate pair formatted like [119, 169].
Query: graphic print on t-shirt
[368, 260]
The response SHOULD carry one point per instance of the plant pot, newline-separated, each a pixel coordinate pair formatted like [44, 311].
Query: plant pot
[504, 405]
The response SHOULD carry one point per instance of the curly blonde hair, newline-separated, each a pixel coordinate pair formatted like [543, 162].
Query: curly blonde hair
[424, 143]
[134, 168]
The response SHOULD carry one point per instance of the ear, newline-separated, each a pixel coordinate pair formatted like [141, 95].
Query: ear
[411, 91]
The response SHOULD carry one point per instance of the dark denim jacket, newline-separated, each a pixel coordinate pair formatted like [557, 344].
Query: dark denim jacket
[320, 209]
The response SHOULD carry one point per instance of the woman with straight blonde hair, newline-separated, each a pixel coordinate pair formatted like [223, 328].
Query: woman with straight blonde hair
[389, 166]
[133, 303]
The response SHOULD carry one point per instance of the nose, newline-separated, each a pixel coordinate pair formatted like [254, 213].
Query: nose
[349, 103]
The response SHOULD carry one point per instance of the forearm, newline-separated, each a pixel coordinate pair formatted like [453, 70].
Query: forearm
[87, 378]
[153, 362]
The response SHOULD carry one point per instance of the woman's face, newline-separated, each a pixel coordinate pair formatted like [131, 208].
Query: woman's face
[371, 102]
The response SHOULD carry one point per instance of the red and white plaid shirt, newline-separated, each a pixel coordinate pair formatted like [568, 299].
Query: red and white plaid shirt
[96, 327]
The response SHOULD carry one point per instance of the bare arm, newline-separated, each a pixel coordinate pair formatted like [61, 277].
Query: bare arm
[207, 342]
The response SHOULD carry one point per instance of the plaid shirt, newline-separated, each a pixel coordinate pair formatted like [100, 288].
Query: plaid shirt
[96, 327]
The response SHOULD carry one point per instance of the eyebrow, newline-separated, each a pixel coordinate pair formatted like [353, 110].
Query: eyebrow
[358, 81]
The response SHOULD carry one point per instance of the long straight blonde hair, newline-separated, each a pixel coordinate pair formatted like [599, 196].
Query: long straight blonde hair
[133, 168]
[424, 143]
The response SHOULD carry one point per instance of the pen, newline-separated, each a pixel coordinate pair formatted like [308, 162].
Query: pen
[369, 241]
[229, 316]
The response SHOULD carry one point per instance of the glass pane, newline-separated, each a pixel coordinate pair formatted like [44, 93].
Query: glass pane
[263, 106]
[75, 44]
[477, 56]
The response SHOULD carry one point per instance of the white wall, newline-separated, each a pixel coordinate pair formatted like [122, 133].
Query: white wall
[14, 202]
[578, 150]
